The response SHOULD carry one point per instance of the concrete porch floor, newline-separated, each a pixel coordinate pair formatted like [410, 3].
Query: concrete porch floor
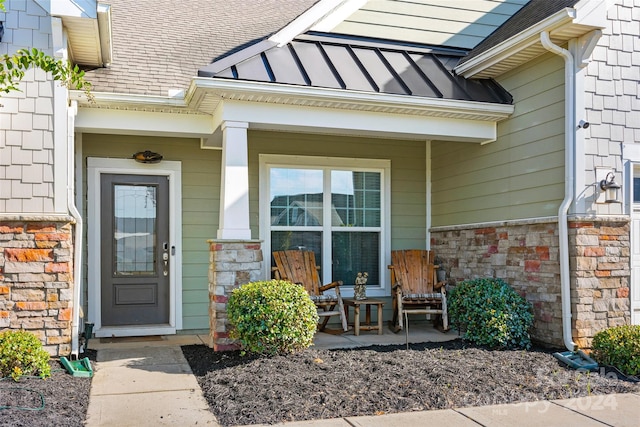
[419, 332]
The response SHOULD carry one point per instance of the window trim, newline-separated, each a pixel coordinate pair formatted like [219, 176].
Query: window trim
[383, 166]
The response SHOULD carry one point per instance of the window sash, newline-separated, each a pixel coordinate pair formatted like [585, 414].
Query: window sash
[329, 166]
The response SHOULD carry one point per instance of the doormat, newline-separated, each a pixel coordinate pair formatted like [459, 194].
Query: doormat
[114, 340]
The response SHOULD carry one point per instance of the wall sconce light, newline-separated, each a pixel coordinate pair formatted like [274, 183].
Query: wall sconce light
[611, 188]
[1, 30]
[147, 157]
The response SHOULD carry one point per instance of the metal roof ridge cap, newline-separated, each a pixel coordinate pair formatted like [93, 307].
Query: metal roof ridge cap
[322, 10]
[494, 54]
[235, 58]
[355, 96]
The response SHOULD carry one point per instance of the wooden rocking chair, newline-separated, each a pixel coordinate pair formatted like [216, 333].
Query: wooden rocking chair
[416, 290]
[300, 267]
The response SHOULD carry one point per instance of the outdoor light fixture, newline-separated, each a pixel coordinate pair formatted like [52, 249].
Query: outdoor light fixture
[147, 157]
[1, 30]
[582, 124]
[611, 188]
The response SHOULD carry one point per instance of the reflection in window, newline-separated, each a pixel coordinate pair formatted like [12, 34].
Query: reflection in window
[296, 197]
[349, 200]
[135, 229]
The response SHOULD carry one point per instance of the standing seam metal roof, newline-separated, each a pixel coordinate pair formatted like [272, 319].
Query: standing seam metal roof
[377, 66]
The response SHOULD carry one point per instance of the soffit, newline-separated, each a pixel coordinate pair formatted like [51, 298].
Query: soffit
[84, 41]
[518, 40]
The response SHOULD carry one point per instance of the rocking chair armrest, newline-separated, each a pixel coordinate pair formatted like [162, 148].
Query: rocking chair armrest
[331, 285]
[275, 273]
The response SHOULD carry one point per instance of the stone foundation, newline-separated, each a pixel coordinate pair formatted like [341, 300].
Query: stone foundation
[231, 264]
[36, 283]
[526, 255]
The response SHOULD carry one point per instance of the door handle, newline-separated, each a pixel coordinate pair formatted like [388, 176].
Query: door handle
[165, 258]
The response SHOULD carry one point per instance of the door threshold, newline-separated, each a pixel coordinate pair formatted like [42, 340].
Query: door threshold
[133, 331]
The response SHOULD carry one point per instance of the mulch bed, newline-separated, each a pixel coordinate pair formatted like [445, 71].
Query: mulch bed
[317, 384]
[61, 400]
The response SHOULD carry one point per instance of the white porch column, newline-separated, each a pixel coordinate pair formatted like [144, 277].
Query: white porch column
[234, 188]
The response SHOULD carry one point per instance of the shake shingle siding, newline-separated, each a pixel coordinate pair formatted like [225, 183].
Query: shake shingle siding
[159, 45]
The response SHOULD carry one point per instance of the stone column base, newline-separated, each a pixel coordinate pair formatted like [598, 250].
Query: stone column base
[232, 263]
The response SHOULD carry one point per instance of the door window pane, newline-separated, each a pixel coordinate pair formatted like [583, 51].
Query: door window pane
[135, 229]
[296, 197]
[636, 190]
[353, 253]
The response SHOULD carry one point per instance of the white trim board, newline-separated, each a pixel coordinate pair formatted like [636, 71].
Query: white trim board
[171, 169]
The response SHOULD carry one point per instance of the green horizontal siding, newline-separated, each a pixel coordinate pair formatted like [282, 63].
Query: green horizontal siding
[408, 175]
[521, 175]
[458, 23]
[200, 205]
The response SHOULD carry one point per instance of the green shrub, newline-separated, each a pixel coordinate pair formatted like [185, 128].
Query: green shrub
[21, 353]
[491, 313]
[272, 317]
[620, 347]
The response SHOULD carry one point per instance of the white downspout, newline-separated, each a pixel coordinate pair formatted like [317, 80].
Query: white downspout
[569, 172]
[77, 247]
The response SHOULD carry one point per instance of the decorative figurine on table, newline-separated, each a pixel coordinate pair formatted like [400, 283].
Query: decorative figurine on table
[360, 289]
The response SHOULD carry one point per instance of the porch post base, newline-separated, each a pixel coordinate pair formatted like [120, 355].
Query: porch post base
[232, 263]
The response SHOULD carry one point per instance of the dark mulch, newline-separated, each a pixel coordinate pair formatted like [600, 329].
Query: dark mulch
[316, 384]
[61, 400]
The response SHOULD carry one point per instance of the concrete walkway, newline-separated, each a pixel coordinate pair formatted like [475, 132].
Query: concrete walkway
[148, 382]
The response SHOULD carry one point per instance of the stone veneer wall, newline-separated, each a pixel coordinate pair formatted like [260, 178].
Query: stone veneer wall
[231, 264]
[525, 254]
[600, 273]
[36, 283]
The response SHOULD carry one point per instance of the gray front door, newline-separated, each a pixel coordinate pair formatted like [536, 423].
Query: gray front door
[135, 250]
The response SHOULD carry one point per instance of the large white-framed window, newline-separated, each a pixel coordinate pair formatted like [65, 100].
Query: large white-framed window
[338, 207]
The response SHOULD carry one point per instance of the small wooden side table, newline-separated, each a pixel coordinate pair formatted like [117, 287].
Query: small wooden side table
[350, 302]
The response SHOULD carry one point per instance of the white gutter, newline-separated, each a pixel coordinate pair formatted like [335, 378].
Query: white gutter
[569, 142]
[77, 244]
[283, 93]
[514, 44]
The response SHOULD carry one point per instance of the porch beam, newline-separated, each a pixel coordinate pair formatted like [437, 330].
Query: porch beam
[267, 116]
[127, 122]
[234, 188]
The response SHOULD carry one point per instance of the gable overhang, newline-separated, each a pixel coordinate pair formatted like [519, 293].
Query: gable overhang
[88, 27]
[268, 106]
[564, 25]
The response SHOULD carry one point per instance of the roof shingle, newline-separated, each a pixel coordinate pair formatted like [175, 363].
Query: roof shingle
[160, 44]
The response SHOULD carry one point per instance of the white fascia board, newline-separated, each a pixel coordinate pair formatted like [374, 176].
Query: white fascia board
[105, 33]
[75, 8]
[593, 13]
[298, 118]
[319, 11]
[520, 41]
[98, 120]
[366, 100]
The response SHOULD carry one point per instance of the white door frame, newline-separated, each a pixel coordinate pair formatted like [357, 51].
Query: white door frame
[631, 159]
[634, 280]
[171, 169]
